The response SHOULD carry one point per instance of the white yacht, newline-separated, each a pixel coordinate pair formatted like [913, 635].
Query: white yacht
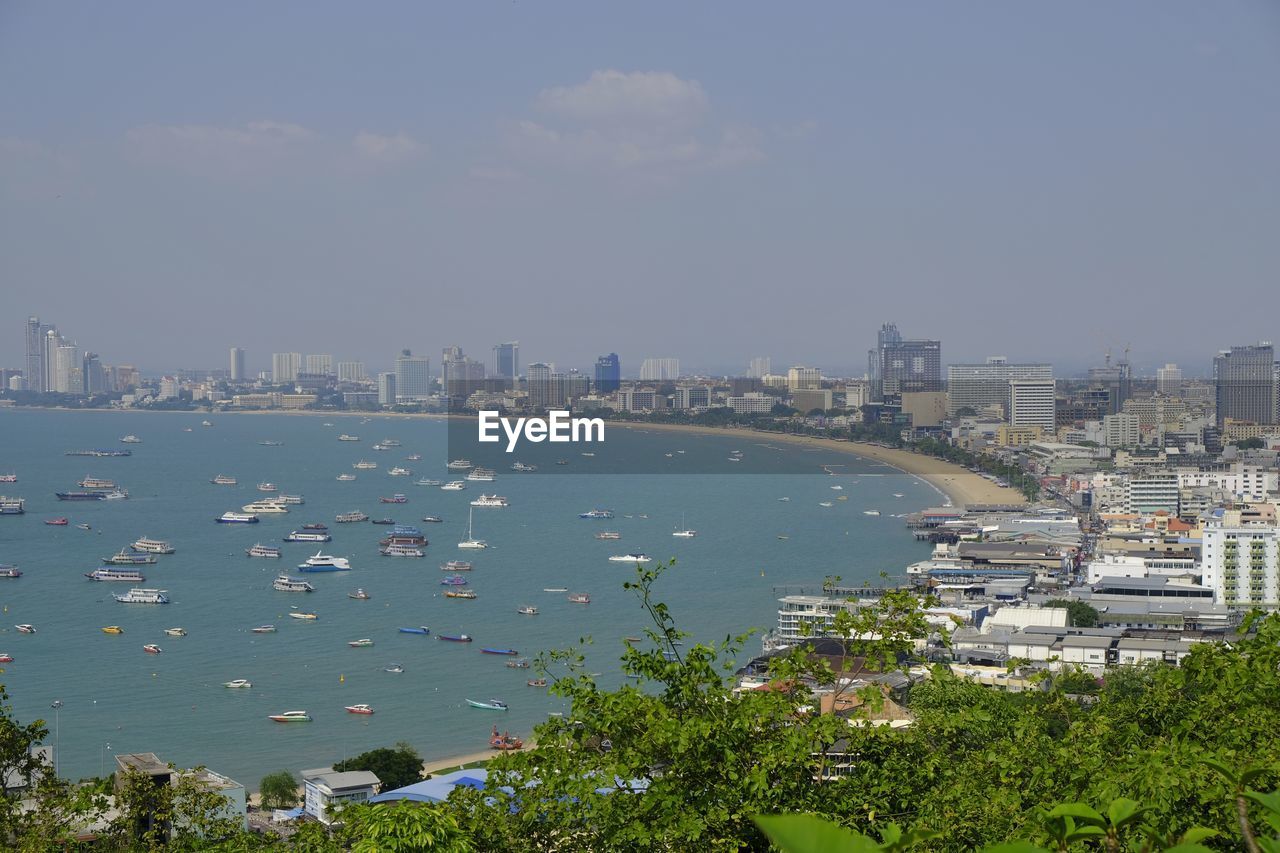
[454, 486]
[325, 563]
[629, 558]
[131, 439]
[346, 478]
[152, 546]
[490, 501]
[284, 583]
[268, 506]
[471, 542]
[223, 480]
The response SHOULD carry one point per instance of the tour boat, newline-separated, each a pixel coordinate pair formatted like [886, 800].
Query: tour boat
[361, 643]
[460, 593]
[269, 551]
[399, 472]
[596, 513]
[291, 500]
[528, 610]
[471, 542]
[491, 705]
[11, 506]
[311, 617]
[358, 709]
[345, 437]
[359, 594]
[152, 546]
[223, 480]
[325, 563]
[237, 518]
[9, 572]
[452, 638]
[237, 684]
[394, 550]
[453, 580]
[456, 566]
[580, 598]
[349, 517]
[482, 475]
[629, 558]
[138, 595]
[490, 501]
[263, 629]
[421, 629]
[112, 629]
[291, 717]
[152, 649]
[315, 526]
[267, 506]
[520, 466]
[488, 651]
[608, 534]
[268, 487]
[96, 483]
[8, 478]
[394, 499]
[284, 583]
[453, 486]
[382, 521]
[176, 632]
[459, 465]
[124, 558]
[308, 536]
[427, 481]
[130, 575]
[365, 465]
[31, 629]
[56, 522]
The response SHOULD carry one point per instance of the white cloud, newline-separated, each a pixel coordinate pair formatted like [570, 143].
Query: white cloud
[400, 146]
[616, 96]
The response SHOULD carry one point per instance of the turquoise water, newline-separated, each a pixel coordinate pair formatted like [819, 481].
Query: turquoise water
[116, 698]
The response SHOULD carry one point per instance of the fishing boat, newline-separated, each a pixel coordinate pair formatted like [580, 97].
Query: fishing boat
[291, 717]
[471, 542]
[112, 629]
[139, 595]
[505, 743]
[395, 667]
[350, 517]
[129, 575]
[263, 629]
[358, 709]
[237, 518]
[596, 514]
[268, 487]
[269, 551]
[31, 629]
[152, 546]
[394, 499]
[346, 478]
[489, 651]
[421, 629]
[537, 682]
[453, 486]
[152, 649]
[308, 536]
[460, 593]
[454, 638]
[238, 684]
[9, 572]
[492, 501]
[284, 583]
[490, 705]
[124, 558]
[630, 558]
[518, 664]
[223, 480]
[359, 595]
[580, 598]
[309, 617]
[57, 522]
[456, 566]
[527, 610]
[458, 465]
[361, 643]
[325, 563]
[608, 534]
[432, 519]
[176, 632]
[394, 550]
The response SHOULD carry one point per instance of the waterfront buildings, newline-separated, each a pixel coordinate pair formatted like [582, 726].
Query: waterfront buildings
[319, 365]
[659, 369]
[902, 365]
[237, 365]
[285, 367]
[351, 371]
[976, 386]
[1246, 384]
[608, 373]
[35, 336]
[752, 403]
[386, 389]
[541, 392]
[413, 377]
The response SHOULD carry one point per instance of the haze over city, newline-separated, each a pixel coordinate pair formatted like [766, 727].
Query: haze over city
[702, 183]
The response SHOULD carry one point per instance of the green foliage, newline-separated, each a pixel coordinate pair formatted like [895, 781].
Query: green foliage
[403, 827]
[1080, 614]
[395, 768]
[279, 790]
[186, 814]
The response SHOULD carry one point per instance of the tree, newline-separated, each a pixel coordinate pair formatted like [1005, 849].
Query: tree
[185, 814]
[403, 827]
[394, 768]
[1080, 614]
[279, 790]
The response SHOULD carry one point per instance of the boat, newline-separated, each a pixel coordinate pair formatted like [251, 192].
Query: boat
[784, 500]
[268, 506]
[395, 667]
[25, 628]
[421, 629]
[454, 638]
[432, 519]
[268, 487]
[358, 709]
[427, 481]
[453, 486]
[130, 439]
[843, 498]
[9, 572]
[520, 466]
[629, 558]
[390, 442]
[488, 651]
[237, 518]
[152, 649]
[269, 551]
[263, 629]
[505, 743]
[176, 632]
[291, 717]
[399, 472]
[608, 534]
[349, 517]
[57, 522]
[112, 629]
[206, 424]
[382, 521]
[116, 495]
[96, 483]
[8, 478]
[364, 465]
[471, 542]
[223, 480]
[837, 488]
[580, 598]
[825, 503]
[359, 594]
[453, 580]
[482, 475]
[458, 465]
[292, 500]
[83, 526]
[80, 496]
[562, 461]
[345, 437]
[128, 575]
[685, 534]
[395, 550]
[537, 682]
[899, 495]
[346, 478]
[124, 558]
[325, 563]
[394, 499]
[555, 589]
[308, 536]
[238, 684]
[490, 501]
[871, 512]
[139, 595]
[152, 546]
[490, 705]
[98, 453]
[315, 526]
[587, 453]
[414, 457]
[456, 566]
[310, 617]
[527, 610]
[596, 514]
[284, 583]
[518, 664]
[360, 644]
[271, 443]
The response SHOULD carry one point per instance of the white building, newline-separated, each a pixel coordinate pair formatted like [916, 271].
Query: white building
[413, 377]
[351, 371]
[386, 389]
[1152, 491]
[285, 366]
[752, 403]
[67, 372]
[1241, 563]
[1245, 482]
[1120, 430]
[319, 365]
[760, 366]
[326, 788]
[1032, 402]
[237, 364]
[1169, 381]
[659, 369]
[976, 386]
[801, 377]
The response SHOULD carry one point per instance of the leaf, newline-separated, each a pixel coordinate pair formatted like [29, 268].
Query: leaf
[1123, 810]
[1079, 811]
[802, 833]
[1197, 834]
[1015, 847]
[1222, 769]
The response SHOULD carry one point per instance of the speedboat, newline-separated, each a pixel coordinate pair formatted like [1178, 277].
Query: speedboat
[871, 512]
[454, 638]
[237, 518]
[528, 610]
[112, 629]
[291, 717]
[31, 629]
[359, 595]
[453, 486]
[325, 563]
[263, 551]
[395, 667]
[361, 643]
[83, 526]
[152, 649]
[311, 617]
[176, 632]
[263, 629]
[490, 705]
[825, 503]
[284, 583]
[358, 709]
[596, 513]
[421, 629]
[57, 522]
[629, 558]
[899, 495]
[237, 683]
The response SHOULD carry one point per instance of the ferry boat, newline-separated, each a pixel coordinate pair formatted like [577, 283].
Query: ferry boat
[237, 518]
[432, 519]
[12, 506]
[490, 501]
[175, 632]
[284, 583]
[80, 496]
[349, 517]
[482, 475]
[268, 487]
[124, 558]
[268, 551]
[138, 595]
[527, 610]
[345, 437]
[358, 709]
[454, 638]
[325, 563]
[459, 593]
[96, 483]
[152, 546]
[400, 472]
[238, 684]
[130, 575]
[427, 481]
[130, 439]
[365, 466]
[608, 534]
[360, 644]
[263, 629]
[223, 480]
[308, 536]
[520, 466]
[579, 598]
[421, 629]
[57, 522]
[359, 594]
[456, 566]
[629, 558]
[453, 486]
[25, 628]
[491, 705]
[290, 717]
[346, 478]
[152, 649]
[291, 500]
[267, 506]
[459, 464]
[453, 580]
[11, 572]
[112, 629]
[401, 551]
[309, 617]
[596, 513]
[471, 542]
[394, 499]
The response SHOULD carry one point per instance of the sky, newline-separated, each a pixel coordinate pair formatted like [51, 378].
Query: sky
[706, 181]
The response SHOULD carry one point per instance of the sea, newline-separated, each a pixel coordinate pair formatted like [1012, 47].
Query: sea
[751, 547]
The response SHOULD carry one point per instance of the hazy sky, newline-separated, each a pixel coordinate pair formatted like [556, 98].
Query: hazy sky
[709, 181]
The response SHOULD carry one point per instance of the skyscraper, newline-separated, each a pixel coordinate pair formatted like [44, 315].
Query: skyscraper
[1169, 381]
[351, 371]
[237, 364]
[52, 341]
[1032, 403]
[37, 372]
[659, 369]
[67, 370]
[760, 367]
[92, 375]
[1246, 385]
[973, 386]
[319, 365]
[801, 378]
[285, 367]
[413, 376]
[506, 360]
[386, 389]
[1116, 379]
[541, 391]
[905, 365]
[608, 373]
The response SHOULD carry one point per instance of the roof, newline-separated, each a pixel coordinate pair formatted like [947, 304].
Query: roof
[144, 762]
[336, 781]
[437, 788]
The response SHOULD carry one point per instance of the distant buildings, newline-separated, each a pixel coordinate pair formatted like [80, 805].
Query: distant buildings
[1246, 384]
[542, 394]
[285, 367]
[413, 377]
[752, 403]
[506, 360]
[1116, 379]
[801, 378]
[351, 371]
[319, 365]
[1240, 560]
[659, 369]
[386, 389]
[905, 365]
[976, 386]
[608, 373]
[1169, 381]
[237, 364]
[1032, 403]
[760, 367]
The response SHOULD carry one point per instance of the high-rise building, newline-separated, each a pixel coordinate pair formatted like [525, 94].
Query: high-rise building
[1240, 562]
[1169, 381]
[320, 365]
[351, 371]
[975, 386]
[92, 375]
[37, 374]
[608, 373]
[1122, 430]
[67, 370]
[1031, 403]
[1246, 384]
[802, 378]
[413, 376]
[386, 389]
[285, 367]
[759, 367]
[906, 365]
[506, 360]
[52, 341]
[542, 391]
[1117, 379]
[659, 369]
[237, 364]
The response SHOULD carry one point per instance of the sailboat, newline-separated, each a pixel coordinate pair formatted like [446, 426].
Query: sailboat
[471, 541]
[684, 532]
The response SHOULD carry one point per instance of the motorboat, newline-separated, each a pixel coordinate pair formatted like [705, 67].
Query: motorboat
[175, 632]
[315, 526]
[152, 546]
[292, 500]
[454, 638]
[349, 517]
[238, 684]
[309, 617]
[629, 558]
[490, 705]
[382, 521]
[358, 709]
[359, 595]
[237, 518]
[596, 514]
[361, 643]
[284, 583]
[130, 439]
[527, 610]
[152, 649]
[432, 519]
[139, 595]
[555, 589]
[83, 526]
[9, 572]
[112, 629]
[522, 467]
[268, 487]
[115, 495]
[271, 443]
[129, 575]
[395, 667]
[871, 512]
[223, 480]
[325, 563]
[57, 522]
[267, 506]
[263, 629]
[509, 652]
[825, 503]
[346, 478]
[31, 629]
[579, 598]
[394, 499]
[269, 551]
[497, 501]
[421, 629]
[291, 717]
[685, 534]
[453, 486]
